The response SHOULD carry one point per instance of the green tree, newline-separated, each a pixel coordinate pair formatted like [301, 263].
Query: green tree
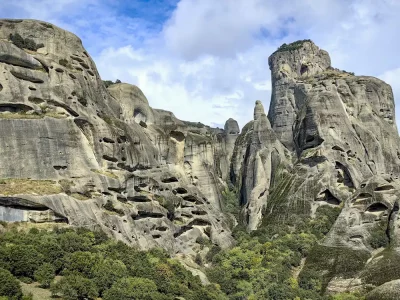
[80, 262]
[108, 271]
[74, 287]
[24, 260]
[45, 274]
[9, 286]
[133, 288]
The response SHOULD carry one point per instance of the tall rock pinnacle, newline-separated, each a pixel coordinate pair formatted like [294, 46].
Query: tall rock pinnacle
[288, 64]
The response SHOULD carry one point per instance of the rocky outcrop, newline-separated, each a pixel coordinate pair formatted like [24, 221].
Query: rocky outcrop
[73, 151]
[76, 152]
[331, 140]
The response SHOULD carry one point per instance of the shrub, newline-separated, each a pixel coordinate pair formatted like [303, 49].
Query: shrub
[108, 271]
[133, 288]
[23, 260]
[110, 207]
[74, 287]
[108, 83]
[45, 274]
[231, 201]
[9, 286]
[63, 62]
[378, 237]
[292, 46]
[26, 43]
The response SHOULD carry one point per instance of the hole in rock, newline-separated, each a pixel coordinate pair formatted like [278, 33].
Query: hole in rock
[14, 108]
[60, 167]
[199, 222]
[169, 180]
[72, 76]
[328, 197]
[343, 175]
[107, 140]
[143, 124]
[82, 101]
[177, 135]
[377, 207]
[180, 190]
[337, 148]
[384, 188]
[59, 70]
[199, 212]
[1, 87]
[190, 198]
[162, 228]
[146, 214]
[110, 158]
[32, 88]
[139, 198]
[303, 69]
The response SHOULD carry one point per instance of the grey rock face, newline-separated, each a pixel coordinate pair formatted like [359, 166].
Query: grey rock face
[287, 97]
[387, 291]
[68, 146]
[332, 141]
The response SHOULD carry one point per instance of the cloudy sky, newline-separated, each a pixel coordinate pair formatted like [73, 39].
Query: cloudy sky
[207, 60]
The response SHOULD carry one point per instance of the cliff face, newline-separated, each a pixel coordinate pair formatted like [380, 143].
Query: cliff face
[334, 142]
[73, 151]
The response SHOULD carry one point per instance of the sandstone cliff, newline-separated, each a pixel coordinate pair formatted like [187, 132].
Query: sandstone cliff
[332, 140]
[74, 151]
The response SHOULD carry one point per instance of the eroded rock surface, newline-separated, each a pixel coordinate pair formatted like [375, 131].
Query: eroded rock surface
[73, 151]
[332, 140]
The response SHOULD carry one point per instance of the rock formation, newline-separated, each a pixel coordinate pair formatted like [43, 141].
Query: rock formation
[332, 140]
[74, 151]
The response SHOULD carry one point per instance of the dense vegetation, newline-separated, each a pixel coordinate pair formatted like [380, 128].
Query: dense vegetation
[107, 83]
[292, 46]
[266, 264]
[92, 265]
[24, 43]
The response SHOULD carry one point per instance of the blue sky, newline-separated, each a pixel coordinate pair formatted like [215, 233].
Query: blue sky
[207, 60]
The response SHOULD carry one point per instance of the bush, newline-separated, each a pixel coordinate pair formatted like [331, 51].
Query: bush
[378, 237]
[108, 83]
[74, 287]
[9, 286]
[292, 46]
[23, 260]
[231, 201]
[45, 274]
[133, 288]
[110, 207]
[22, 43]
[107, 272]
[63, 62]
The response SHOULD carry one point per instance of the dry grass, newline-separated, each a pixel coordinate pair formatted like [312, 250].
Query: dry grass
[19, 116]
[14, 116]
[37, 292]
[13, 186]
[26, 226]
[105, 173]
[79, 196]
